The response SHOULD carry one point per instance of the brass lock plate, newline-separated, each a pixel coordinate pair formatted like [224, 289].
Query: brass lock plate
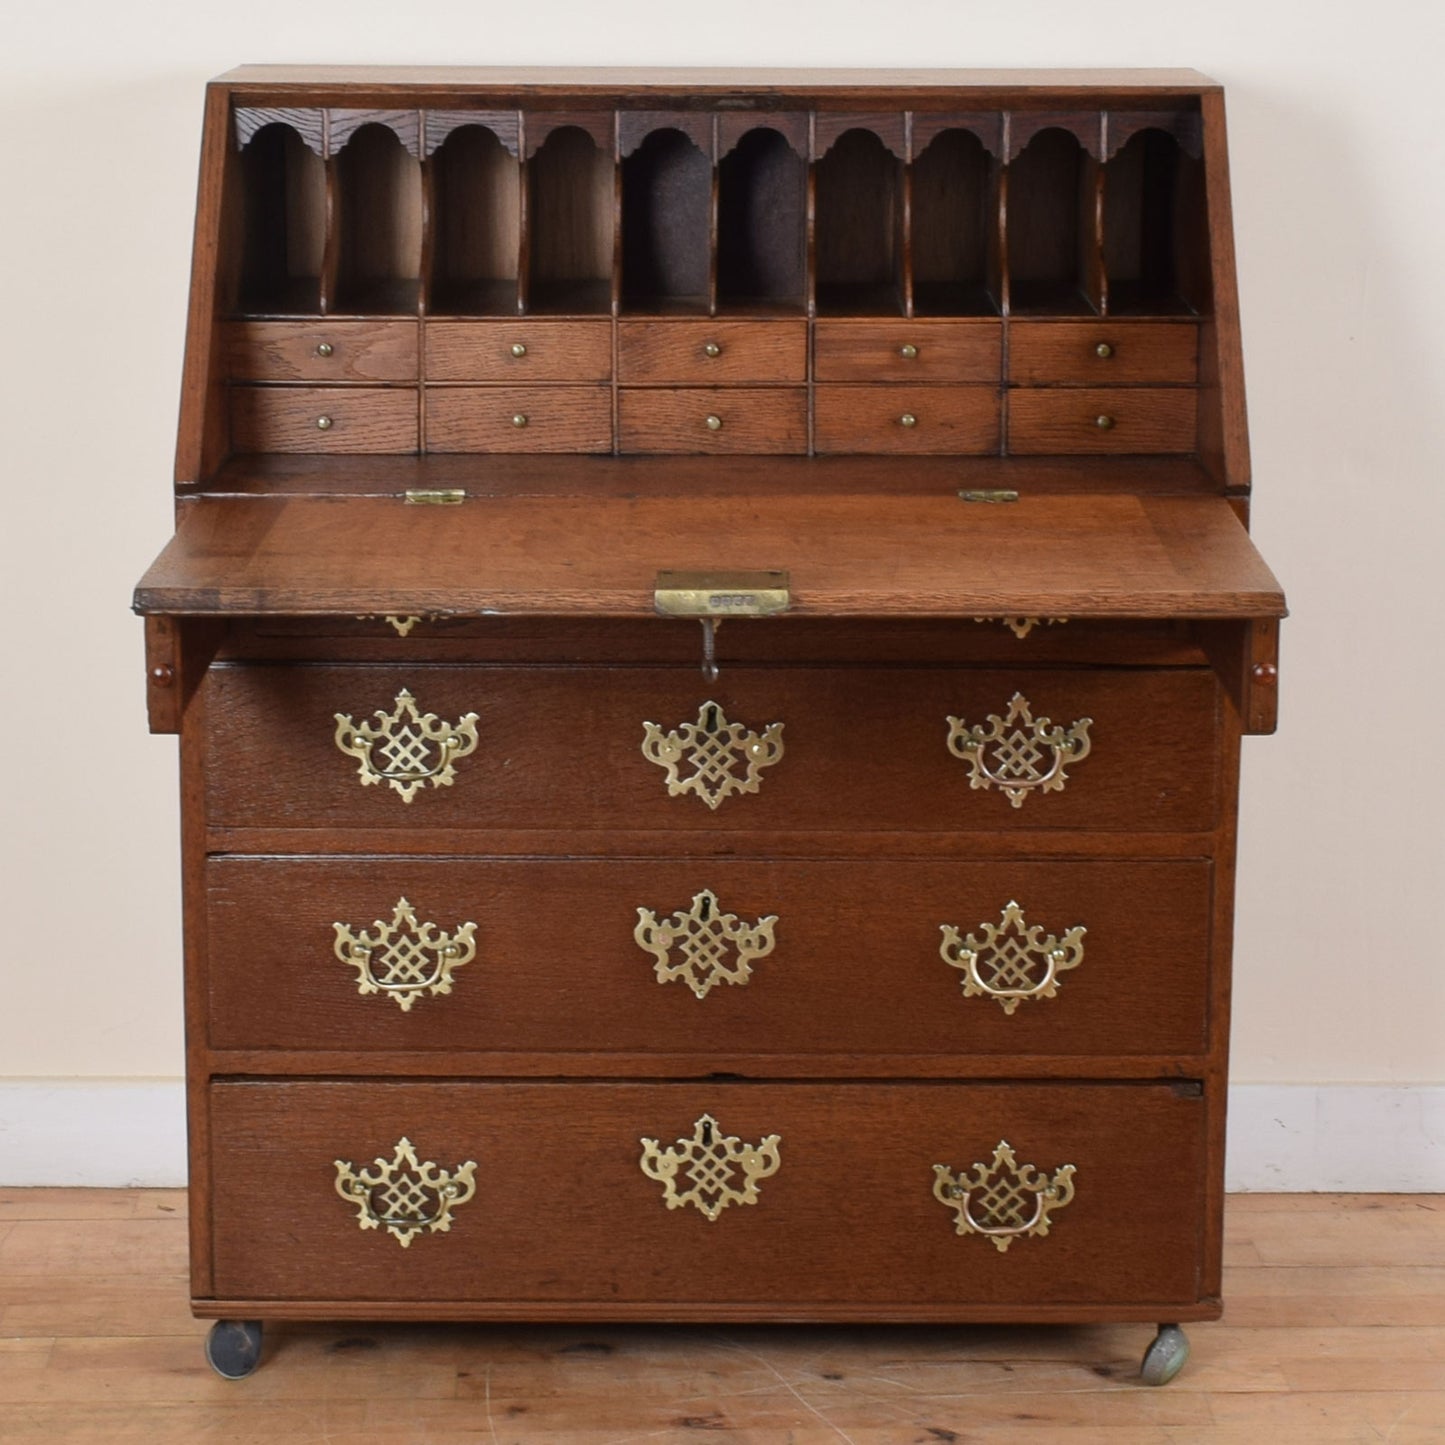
[721, 594]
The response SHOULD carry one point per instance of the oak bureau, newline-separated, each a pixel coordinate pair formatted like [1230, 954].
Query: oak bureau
[710, 622]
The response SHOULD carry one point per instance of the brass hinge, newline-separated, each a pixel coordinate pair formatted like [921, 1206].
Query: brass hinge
[721, 594]
[435, 496]
[991, 494]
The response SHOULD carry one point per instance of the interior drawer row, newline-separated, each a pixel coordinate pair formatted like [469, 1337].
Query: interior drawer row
[715, 352]
[597, 750]
[708, 957]
[794, 1195]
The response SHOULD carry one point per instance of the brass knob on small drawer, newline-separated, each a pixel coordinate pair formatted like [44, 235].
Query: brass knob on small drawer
[1104, 422]
[714, 423]
[323, 423]
[712, 349]
[908, 351]
[520, 419]
[324, 348]
[1103, 351]
[518, 350]
[908, 419]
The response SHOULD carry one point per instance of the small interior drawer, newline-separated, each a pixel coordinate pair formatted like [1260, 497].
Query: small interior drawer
[908, 350]
[1066, 420]
[323, 419]
[320, 350]
[958, 420]
[713, 419]
[518, 419]
[711, 353]
[1103, 353]
[522, 350]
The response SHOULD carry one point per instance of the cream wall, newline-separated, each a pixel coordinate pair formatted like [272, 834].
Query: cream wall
[1338, 149]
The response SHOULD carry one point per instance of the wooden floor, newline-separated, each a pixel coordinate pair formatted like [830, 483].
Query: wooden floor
[1334, 1331]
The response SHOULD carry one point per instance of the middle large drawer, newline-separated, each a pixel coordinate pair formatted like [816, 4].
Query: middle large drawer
[709, 957]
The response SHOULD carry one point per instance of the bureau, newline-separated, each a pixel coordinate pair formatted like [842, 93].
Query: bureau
[710, 624]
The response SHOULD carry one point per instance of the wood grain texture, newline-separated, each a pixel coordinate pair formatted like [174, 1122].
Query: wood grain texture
[863, 753]
[572, 351]
[599, 1230]
[357, 419]
[1045, 352]
[944, 420]
[943, 351]
[1043, 420]
[1307, 1354]
[538, 418]
[855, 967]
[764, 421]
[656, 352]
[288, 350]
[1048, 555]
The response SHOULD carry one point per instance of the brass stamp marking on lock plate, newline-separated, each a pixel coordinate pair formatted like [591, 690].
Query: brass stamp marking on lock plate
[721, 594]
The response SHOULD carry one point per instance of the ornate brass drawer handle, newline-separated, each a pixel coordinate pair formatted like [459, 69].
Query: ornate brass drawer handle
[1011, 959]
[719, 1168]
[1002, 1199]
[713, 947]
[723, 757]
[403, 1196]
[405, 959]
[1012, 753]
[416, 748]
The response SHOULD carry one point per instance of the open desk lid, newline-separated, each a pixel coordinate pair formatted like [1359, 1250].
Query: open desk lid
[1118, 555]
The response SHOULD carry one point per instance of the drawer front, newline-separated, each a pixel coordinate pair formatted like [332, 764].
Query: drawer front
[711, 353]
[323, 419]
[320, 350]
[722, 419]
[518, 351]
[518, 419]
[563, 748]
[557, 1207]
[734, 957]
[913, 350]
[1068, 420]
[959, 420]
[1102, 353]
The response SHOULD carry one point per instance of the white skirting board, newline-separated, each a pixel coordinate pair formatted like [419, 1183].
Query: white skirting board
[107, 1133]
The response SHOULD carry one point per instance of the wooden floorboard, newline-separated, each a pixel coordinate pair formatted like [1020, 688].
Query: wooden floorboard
[1334, 1331]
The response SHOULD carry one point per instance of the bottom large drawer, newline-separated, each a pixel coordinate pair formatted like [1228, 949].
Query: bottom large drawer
[782, 1196]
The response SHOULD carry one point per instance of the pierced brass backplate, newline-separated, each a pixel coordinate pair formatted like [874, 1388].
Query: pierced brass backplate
[1002, 1199]
[723, 757]
[712, 947]
[416, 748]
[1022, 626]
[721, 594]
[1016, 754]
[405, 959]
[403, 1196]
[711, 1163]
[1012, 960]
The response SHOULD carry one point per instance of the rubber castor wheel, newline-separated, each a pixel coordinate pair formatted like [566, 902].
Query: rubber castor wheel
[233, 1348]
[1165, 1357]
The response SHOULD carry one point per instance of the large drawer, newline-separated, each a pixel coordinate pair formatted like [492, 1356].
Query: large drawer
[558, 1208]
[745, 957]
[542, 748]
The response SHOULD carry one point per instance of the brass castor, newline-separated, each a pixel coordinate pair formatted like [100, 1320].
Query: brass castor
[233, 1348]
[1165, 1357]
